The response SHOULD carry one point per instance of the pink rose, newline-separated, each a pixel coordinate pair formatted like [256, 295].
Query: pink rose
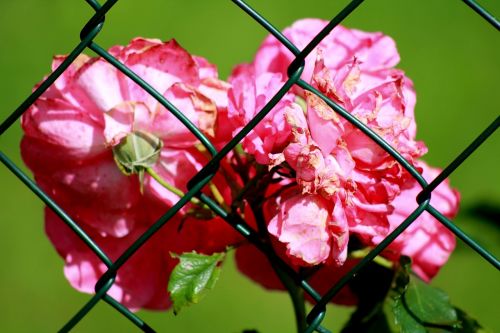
[73, 129]
[344, 178]
[80, 142]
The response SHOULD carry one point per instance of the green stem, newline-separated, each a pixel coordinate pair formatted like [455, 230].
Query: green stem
[297, 295]
[170, 187]
[217, 195]
[299, 307]
[360, 254]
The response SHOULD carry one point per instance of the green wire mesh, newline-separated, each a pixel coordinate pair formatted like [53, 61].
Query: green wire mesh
[196, 184]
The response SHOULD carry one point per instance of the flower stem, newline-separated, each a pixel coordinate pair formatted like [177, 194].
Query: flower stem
[217, 195]
[360, 254]
[170, 187]
[297, 295]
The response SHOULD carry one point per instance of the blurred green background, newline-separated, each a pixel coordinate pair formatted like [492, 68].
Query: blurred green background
[452, 55]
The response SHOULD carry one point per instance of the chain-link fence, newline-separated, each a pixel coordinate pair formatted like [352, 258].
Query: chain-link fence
[197, 183]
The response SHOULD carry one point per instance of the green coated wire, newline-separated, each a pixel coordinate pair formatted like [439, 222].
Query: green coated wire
[464, 237]
[268, 250]
[213, 165]
[87, 307]
[484, 13]
[98, 18]
[319, 328]
[459, 159]
[310, 290]
[315, 323]
[298, 61]
[141, 324]
[267, 25]
[94, 4]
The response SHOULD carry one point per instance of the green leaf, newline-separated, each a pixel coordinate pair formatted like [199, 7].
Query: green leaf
[419, 307]
[429, 304]
[194, 275]
[402, 318]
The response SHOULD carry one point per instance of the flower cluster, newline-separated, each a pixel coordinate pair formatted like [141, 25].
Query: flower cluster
[116, 160]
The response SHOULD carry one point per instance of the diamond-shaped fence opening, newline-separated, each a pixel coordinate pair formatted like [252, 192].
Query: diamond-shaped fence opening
[315, 316]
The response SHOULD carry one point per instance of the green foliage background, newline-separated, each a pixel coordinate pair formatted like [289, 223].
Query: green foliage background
[452, 55]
